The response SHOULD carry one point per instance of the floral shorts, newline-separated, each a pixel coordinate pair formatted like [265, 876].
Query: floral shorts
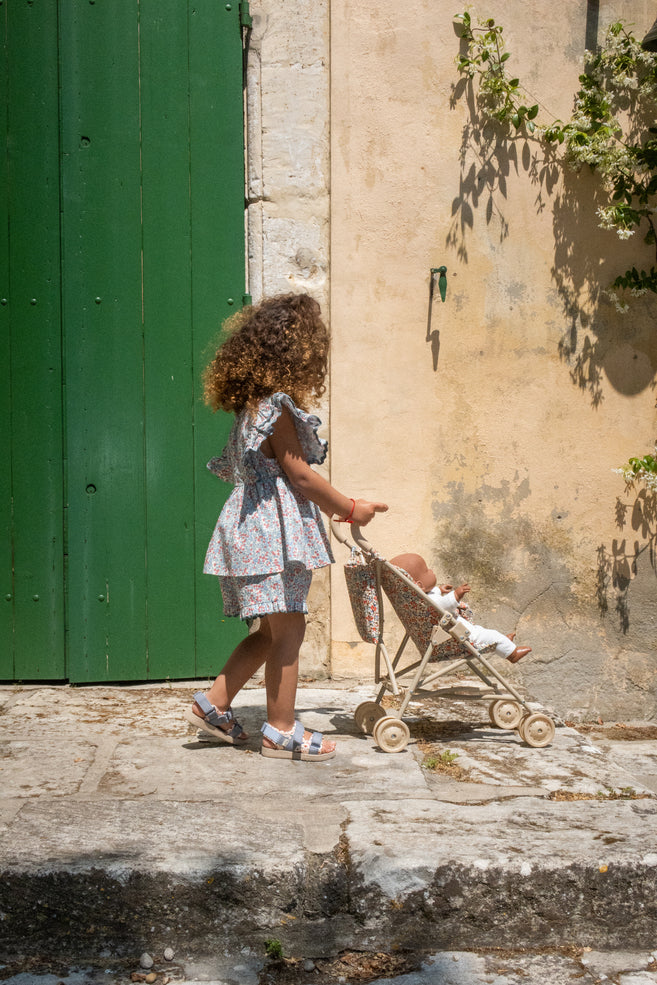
[261, 595]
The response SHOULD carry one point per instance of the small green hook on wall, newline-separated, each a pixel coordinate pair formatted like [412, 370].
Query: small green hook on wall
[442, 280]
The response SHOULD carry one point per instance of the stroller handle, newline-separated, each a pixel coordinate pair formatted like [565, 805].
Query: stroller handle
[360, 540]
[337, 529]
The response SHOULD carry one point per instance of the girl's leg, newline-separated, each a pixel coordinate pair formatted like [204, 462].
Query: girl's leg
[247, 657]
[282, 667]
[282, 672]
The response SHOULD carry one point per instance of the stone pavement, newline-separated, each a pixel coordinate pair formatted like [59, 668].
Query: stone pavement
[122, 833]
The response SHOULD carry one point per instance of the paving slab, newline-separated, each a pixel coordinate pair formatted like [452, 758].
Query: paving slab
[122, 831]
[630, 746]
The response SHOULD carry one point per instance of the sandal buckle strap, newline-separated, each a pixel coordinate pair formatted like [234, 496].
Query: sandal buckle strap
[213, 717]
[293, 741]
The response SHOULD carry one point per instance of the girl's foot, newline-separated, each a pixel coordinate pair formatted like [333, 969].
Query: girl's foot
[326, 746]
[296, 743]
[219, 724]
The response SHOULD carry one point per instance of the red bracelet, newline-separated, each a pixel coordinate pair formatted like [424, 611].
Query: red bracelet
[347, 519]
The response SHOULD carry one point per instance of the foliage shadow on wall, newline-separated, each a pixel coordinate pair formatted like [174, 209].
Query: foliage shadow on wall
[591, 330]
[618, 568]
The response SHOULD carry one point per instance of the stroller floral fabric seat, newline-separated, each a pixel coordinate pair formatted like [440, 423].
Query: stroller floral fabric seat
[416, 614]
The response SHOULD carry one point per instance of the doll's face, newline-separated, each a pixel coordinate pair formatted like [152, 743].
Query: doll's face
[427, 580]
[417, 568]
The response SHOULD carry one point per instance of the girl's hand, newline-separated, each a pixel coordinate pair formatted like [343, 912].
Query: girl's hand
[364, 511]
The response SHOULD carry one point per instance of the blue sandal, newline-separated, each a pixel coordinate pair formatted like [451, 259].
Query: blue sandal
[291, 745]
[223, 726]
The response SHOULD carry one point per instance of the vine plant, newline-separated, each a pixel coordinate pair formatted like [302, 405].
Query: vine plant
[611, 130]
[641, 470]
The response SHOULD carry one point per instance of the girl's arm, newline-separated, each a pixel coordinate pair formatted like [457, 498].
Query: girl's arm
[285, 444]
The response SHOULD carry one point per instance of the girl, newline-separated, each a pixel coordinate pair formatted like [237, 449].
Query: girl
[270, 535]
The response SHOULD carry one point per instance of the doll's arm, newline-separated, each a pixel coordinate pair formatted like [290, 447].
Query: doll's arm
[451, 598]
[461, 591]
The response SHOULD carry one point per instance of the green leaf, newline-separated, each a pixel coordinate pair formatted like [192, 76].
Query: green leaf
[532, 112]
[531, 126]
[505, 57]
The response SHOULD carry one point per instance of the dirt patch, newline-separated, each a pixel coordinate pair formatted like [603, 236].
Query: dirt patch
[617, 731]
[435, 759]
[34, 966]
[358, 967]
[350, 967]
[625, 793]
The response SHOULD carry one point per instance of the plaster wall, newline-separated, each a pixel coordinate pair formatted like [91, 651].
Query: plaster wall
[490, 423]
[287, 195]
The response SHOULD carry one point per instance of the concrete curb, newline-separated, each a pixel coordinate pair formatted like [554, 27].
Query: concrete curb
[127, 833]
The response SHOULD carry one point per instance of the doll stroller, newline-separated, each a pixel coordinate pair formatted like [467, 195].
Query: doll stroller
[439, 637]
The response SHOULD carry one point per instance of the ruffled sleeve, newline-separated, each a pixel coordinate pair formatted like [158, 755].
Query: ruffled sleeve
[307, 425]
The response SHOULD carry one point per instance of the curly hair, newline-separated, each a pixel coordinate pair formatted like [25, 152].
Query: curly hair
[280, 344]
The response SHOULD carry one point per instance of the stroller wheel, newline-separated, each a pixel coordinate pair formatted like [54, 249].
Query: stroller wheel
[537, 730]
[391, 734]
[505, 714]
[367, 714]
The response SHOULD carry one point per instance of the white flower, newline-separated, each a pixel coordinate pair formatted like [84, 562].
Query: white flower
[621, 306]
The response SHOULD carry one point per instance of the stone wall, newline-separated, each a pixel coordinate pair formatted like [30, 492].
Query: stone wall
[491, 422]
[287, 108]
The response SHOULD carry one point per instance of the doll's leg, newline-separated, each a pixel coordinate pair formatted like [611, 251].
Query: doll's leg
[504, 645]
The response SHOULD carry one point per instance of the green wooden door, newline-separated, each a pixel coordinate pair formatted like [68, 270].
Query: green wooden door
[149, 152]
[32, 468]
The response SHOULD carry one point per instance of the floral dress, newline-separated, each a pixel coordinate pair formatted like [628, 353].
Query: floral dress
[269, 537]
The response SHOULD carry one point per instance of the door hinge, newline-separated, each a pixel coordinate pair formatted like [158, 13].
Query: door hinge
[245, 15]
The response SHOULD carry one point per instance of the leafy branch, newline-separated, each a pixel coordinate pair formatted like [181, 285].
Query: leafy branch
[610, 129]
[641, 470]
[486, 57]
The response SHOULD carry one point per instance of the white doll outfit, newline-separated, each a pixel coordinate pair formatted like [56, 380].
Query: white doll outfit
[479, 636]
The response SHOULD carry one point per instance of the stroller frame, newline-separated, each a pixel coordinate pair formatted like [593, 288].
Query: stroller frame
[509, 710]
